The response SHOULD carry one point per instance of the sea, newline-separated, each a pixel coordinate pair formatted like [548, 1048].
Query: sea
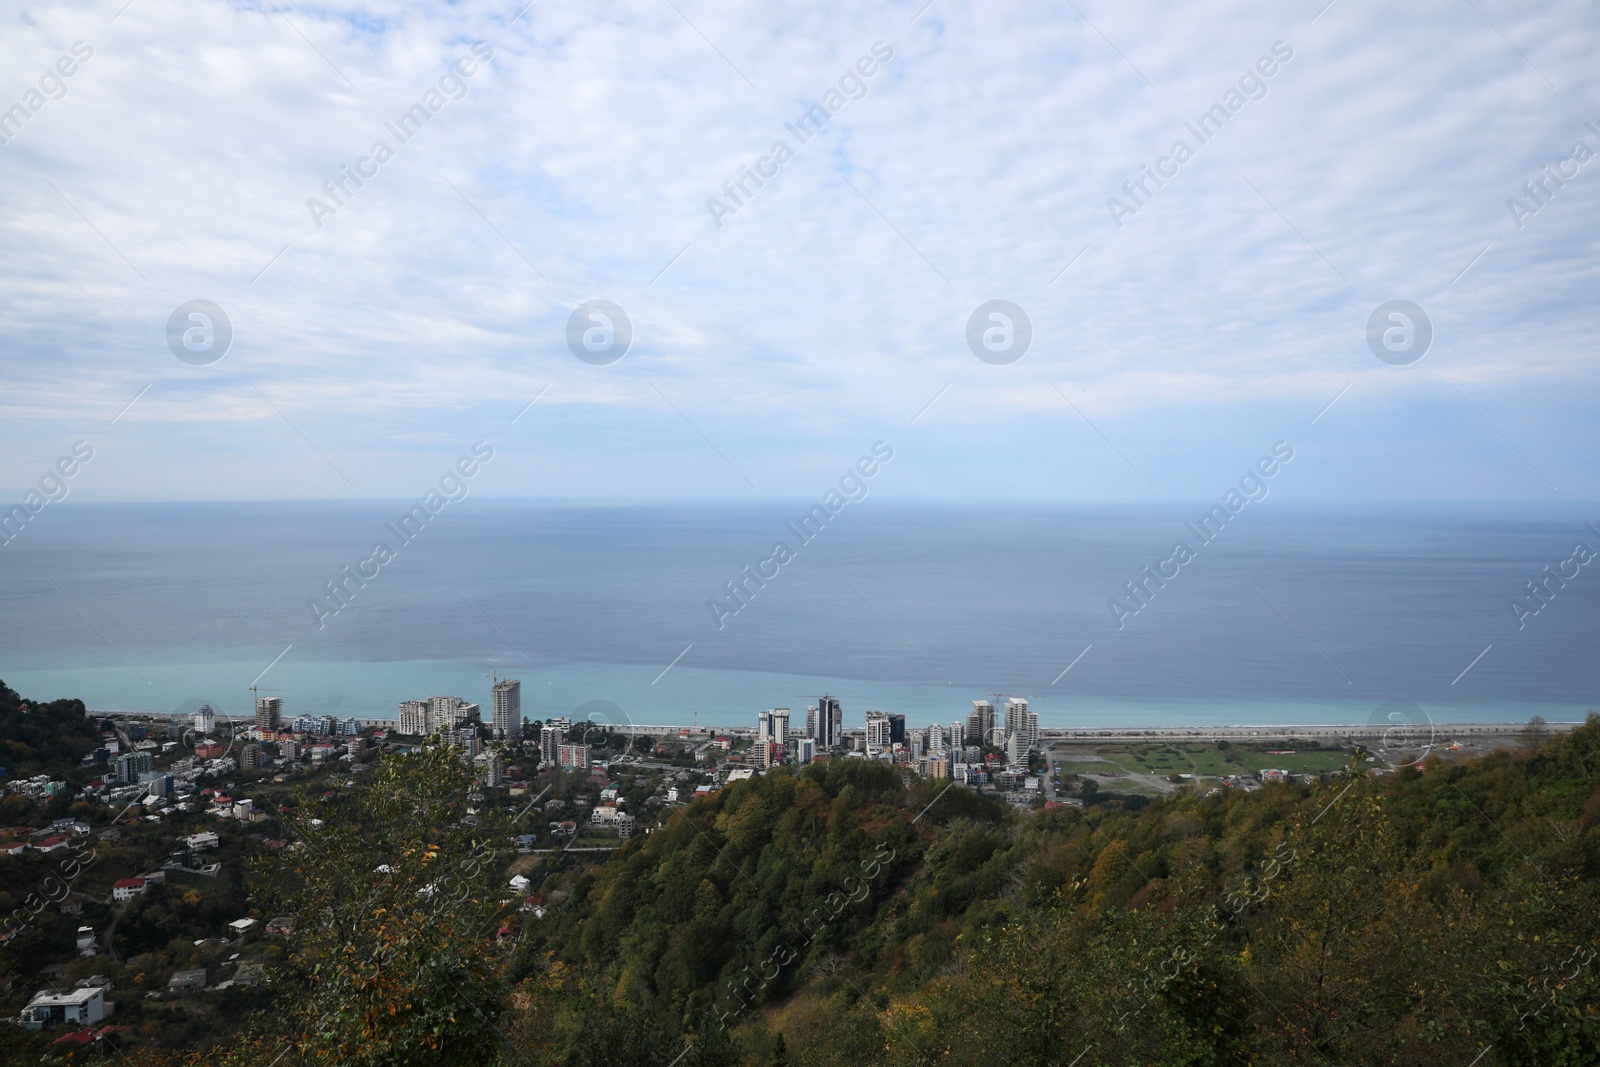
[1291, 614]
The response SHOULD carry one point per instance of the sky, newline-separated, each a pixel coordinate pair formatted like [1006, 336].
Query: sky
[1178, 331]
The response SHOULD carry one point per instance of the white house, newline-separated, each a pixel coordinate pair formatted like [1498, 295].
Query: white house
[203, 839]
[128, 888]
[79, 1006]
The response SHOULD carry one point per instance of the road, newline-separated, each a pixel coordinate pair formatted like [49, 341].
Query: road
[110, 946]
[1049, 776]
[587, 848]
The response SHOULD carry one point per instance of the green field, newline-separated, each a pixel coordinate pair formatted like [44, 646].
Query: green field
[1304, 761]
[1200, 760]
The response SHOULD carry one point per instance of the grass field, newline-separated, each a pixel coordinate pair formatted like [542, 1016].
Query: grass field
[1200, 760]
[1306, 761]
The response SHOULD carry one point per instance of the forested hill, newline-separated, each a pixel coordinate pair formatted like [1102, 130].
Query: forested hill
[38, 738]
[838, 916]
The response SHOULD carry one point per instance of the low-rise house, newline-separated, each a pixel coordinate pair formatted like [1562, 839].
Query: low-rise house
[53, 843]
[282, 926]
[80, 1006]
[187, 981]
[76, 1037]
[250, 974]
[126, 889]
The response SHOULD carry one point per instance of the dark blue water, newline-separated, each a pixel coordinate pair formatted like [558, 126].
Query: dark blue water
[1290, 614]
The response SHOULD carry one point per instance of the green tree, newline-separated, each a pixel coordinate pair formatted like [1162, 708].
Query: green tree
[393, 890]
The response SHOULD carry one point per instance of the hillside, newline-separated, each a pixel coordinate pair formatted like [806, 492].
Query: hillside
[832, 917]
[841, 914]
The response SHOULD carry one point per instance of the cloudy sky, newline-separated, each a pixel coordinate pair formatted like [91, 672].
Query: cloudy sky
[376, 335]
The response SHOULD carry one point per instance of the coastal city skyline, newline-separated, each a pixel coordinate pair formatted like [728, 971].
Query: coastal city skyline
[672, 534]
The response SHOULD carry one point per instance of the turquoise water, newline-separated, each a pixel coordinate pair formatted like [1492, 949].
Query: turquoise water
[684, 696]
[1299, 616]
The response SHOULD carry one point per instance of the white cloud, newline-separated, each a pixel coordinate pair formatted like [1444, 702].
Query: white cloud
[989, 144]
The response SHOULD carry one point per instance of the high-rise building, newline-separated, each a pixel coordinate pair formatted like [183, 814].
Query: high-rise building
[130, 766]
[878, 732]
[268, 711]
[897, 729]
[450, 713]
[575, 757]
[491, 772]
[805, 750]
[442, 713]
[205, 720]
[958, 737]
[935, 739]
[938, 767]
[828, 726]
[250, 757]
[831, 720]
[1019, 720]
[465, 738]
[551, 737]
[413, 721]
[508, 710]
[773, 725]
[980, 724]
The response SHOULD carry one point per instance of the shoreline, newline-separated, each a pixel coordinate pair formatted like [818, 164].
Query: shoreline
[1067, 735]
